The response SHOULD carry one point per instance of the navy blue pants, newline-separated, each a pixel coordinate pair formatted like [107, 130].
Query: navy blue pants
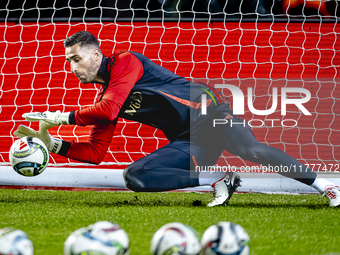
[169, 167]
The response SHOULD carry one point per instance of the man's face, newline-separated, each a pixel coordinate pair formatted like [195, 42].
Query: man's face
[84, 62]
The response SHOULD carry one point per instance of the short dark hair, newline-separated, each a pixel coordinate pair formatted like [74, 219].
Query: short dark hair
[84, 38]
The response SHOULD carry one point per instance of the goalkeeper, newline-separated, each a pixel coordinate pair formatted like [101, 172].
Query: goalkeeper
[137, 89]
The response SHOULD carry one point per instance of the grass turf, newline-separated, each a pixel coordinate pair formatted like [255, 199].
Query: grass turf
[276, 224]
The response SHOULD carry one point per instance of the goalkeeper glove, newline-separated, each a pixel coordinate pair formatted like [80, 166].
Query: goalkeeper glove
[53, 144]
[54, 118]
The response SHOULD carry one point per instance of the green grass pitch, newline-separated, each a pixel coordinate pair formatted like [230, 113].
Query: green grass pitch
[276, 224]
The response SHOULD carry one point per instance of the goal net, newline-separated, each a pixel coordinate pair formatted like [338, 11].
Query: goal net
[248, 44]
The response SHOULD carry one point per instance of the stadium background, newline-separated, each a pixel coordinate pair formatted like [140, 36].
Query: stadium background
[262, 49]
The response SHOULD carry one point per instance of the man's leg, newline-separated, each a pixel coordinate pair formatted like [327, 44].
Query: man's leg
[174, 167]
[239, 140]
[165, 169]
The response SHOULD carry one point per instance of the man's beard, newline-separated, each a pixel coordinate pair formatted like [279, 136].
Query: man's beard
[92, 72]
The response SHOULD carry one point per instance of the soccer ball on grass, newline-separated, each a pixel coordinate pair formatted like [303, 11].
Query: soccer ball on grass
[225, 238]
[175, 238]
[100, 238]
[15, 242]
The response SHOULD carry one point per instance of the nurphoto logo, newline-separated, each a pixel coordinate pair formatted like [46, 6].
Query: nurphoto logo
[238, 106]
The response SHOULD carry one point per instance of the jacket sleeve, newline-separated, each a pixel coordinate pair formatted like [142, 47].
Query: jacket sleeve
[95, 149]
[126, 71]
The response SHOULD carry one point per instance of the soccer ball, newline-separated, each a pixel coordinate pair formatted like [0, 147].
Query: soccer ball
[15, 242]
[175, 239]
[101, 238]
[225, 238]
[28, 156]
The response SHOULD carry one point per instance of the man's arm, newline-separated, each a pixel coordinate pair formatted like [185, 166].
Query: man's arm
[126, 71]
[92, 151]
[95, 149]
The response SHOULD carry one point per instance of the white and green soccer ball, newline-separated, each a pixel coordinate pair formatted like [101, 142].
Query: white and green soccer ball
[101, 238]
[175, 239]
[225, 238]
[15, 242]
[28, 156]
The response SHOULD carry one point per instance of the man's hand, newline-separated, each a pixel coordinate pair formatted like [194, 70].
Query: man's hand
[52, 144]
[53, 118]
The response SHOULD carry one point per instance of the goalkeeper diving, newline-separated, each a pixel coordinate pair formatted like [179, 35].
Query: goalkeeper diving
[135, 88]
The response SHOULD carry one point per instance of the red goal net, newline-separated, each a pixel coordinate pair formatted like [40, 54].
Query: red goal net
[34, 76]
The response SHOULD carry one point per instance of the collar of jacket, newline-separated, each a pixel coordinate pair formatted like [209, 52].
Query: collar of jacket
[104, 72]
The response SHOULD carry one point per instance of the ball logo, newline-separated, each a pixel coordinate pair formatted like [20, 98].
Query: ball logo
[21, 154]
[22, 145]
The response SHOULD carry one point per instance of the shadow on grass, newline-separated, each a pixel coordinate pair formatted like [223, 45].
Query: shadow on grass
[109, 199]
[286, 205]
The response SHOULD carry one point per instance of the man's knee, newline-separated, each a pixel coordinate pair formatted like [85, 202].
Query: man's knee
[132, 180]
[252, 152]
